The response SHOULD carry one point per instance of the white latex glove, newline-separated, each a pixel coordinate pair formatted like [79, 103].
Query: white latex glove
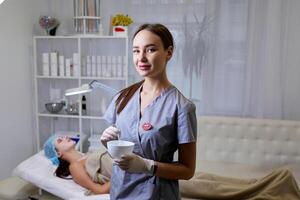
[134, 163]
[110, 133]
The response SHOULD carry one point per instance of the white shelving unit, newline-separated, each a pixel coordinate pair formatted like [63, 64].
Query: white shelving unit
[114, 50]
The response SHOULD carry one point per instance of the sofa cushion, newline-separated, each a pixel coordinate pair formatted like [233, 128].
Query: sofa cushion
[248, 141]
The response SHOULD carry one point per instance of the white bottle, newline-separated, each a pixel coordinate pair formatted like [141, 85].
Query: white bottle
[103, 66]
[108, 66]
[54, 63]
[68, 67]
[99, 70]
[83, 67]
[113, 66]
[76, 64]
[94, 66]
[61, 65]
[46, 70]
[100, 29]
[71, 67]
[88, 66]
[119, 67]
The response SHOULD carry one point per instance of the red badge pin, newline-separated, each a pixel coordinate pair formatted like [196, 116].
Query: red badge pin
[147, 126]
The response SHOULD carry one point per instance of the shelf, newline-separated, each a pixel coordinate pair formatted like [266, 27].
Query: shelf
[50, 88]
[85, 36]
[102, 78]
[56, 77]
[58, 115]
[86, 17]
[83, 78]
[91, 117]
[69, 116]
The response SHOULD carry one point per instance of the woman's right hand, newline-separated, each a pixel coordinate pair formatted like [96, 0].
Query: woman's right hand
[110, 133]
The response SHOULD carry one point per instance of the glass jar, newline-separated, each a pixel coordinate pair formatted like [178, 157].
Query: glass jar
[87, 17]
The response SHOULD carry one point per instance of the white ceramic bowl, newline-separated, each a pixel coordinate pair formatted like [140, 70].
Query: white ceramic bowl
[117, 148]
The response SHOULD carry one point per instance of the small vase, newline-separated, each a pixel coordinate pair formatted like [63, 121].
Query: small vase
[120, 31]
[52, 32]
[49, 23]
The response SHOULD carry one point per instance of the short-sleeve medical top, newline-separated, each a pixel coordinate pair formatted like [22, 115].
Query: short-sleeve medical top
[173, 121]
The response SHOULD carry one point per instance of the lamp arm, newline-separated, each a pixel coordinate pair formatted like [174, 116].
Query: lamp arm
[97, 84]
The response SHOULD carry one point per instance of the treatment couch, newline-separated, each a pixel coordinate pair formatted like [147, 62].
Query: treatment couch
[227, 146]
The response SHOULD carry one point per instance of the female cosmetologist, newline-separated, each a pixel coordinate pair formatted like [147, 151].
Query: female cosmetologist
[155, 116]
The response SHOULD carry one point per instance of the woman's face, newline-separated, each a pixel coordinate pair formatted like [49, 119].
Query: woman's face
[64, 143]
[149, 56]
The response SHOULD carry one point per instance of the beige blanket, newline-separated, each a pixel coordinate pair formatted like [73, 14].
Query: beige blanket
[278, 185]
[98, 165]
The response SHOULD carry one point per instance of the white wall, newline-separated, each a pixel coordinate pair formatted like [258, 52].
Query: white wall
[18, 24]
[16, 124]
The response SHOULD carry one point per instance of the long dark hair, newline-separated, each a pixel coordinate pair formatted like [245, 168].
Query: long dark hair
[62, 171]
[167, 40]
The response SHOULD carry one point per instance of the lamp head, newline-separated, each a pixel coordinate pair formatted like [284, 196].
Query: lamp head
[85, 88]
[89, 87]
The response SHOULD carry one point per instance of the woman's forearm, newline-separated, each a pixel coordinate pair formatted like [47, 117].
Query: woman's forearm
[174, 171]
[184, 169]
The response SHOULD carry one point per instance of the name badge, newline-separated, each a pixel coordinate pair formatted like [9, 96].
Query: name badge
[147, 126]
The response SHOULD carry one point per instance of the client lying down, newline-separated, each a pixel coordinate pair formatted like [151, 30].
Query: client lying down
[93, 171]
[82, 168]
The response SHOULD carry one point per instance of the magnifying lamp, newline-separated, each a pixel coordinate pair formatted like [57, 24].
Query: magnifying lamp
[85, 88]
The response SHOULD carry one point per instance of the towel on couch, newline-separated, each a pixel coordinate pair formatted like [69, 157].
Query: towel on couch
[278, 185]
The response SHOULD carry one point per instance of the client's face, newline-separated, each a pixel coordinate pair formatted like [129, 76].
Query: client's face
[64, 143]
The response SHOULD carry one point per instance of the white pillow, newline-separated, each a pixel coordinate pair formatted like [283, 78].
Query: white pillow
[39, 170]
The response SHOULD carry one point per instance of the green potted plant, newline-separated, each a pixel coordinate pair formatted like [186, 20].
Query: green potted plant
[120, 23]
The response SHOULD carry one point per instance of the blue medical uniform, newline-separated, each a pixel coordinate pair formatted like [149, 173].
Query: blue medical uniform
[173, 121]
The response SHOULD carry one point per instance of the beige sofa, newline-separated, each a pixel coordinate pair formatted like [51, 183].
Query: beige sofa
[246, 147]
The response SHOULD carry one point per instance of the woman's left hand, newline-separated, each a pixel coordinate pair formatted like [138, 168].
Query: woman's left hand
[134, 163]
